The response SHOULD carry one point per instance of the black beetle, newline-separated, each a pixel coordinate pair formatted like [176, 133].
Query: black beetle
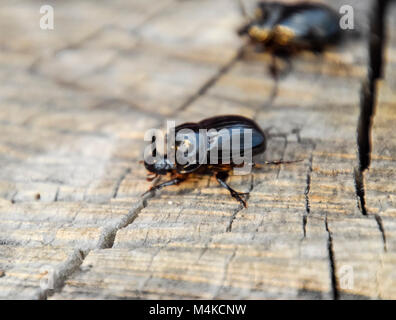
[285, 29]
[282, 27]
[226, 127]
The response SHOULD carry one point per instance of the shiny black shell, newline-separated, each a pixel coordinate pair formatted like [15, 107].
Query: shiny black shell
[227, 126]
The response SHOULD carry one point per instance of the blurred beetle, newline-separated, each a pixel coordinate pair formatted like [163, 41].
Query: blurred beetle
[284, 29]
[227, 128]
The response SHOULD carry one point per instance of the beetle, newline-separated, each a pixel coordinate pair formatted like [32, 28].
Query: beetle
[226, 128]
[285, 29]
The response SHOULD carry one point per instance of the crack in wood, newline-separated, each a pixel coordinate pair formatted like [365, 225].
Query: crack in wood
[306, 193]
[377, 38]
[365, 121]
[382, 229]
[368, 103]
[107, 238]
[211, 81]
[56, 194]
[283, 154]
[360, 193]
[241, 207]
[116, 102]
[225, 273]
[60, 274]
[140, 290]
[106, 241]
[332, 262]
[119, 181]
[369, 86]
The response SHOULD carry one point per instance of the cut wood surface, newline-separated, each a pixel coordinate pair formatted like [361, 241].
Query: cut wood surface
[75, 104]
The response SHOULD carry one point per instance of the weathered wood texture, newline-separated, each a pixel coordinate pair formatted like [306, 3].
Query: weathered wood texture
[75, 103]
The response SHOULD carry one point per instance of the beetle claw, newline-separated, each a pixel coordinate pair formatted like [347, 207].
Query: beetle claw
[238, 196]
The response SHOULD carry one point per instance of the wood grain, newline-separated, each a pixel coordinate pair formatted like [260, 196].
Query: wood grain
[76, 104]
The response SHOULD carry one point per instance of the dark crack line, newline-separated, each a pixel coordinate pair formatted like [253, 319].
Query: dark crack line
[56, 194]
[332, 262]
[212, 81]
[257, 229]
[61, 273]
[368, 104]
[225, 274]
[378, 219]
[369, 86]
[241, 207]
[365, 121]
[377, 38]
[119, 181]
[109, 234]
[283, 154]
[151, 17]
[204, 250]
[147, 280]
[306, 193]
[12, 199]
[106, 241]
[33, 68]
[233, 216]
[368, 98]
[108, 101]
[360, 192]
[361, 203]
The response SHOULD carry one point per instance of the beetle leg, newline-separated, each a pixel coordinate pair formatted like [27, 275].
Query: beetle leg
[151, 177]
[281, 69]
[277, 72]
[165, 184]
[221, 178]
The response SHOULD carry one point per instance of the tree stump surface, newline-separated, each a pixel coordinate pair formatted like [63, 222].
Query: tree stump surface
[76, 102]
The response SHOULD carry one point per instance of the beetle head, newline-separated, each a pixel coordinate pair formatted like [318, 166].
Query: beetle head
[161, 166]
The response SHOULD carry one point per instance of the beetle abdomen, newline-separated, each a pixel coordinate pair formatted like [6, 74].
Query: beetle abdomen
[231, 128]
